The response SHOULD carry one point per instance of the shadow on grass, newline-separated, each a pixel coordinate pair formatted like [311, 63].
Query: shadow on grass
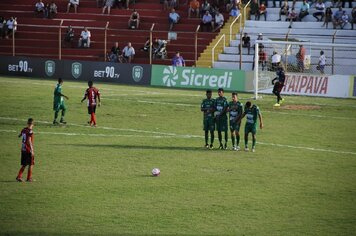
[136, 147]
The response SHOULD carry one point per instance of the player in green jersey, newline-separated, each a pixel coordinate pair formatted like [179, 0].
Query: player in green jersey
[58, 103]
[251, 113]
[207, 107]
[235, 109]
[220, 109]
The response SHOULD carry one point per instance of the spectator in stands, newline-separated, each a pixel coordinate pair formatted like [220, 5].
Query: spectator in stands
[319, 10]
[337, 21]
[259, 37]
[328, 16]
[231, 4]
[218, 22]
[73, 3]
[134, 20]
[254, 7]
[344, 20]
[2, 27]
[178, 60]
[84, 40]
[292, 16]
[11, 26]
[300, 58]
[52, 10]
[173, 19]
[322, 61]
[206, 22]
[304, 10]
[262, 10]
[262, 58]
[276, 61]
[68, 38]
[128, 52]
[205, 7]
[353, 17]
[40, 8]
[235, 11]
[284, 10]
[114, 53]
[246, 43]
[173, 4]
[194, 8]
[280, 3]
[108, 4]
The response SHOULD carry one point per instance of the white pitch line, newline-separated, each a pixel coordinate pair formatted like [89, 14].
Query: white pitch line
[179, 136]
[307, 148]
[111, 128]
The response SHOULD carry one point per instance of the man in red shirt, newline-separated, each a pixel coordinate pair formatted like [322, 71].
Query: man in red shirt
[93, 96]
[27, 151]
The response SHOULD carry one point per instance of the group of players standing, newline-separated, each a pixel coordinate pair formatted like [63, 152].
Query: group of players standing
[216, 116]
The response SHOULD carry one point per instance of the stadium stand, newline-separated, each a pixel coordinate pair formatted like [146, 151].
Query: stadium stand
[39, 37]
[307, 31]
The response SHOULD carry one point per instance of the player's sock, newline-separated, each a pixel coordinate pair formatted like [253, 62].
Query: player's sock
[29, 173]
[233, 140]
[19, 176]
[246, 143]
[212, 137]
[91, 118]
[220, 137]
[55, 116]
[94, 119]
[206, 137]
[237, 140]
[226, 137]
[253, 142]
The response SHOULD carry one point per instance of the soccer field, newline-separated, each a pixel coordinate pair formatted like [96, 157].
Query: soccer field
[96, 181]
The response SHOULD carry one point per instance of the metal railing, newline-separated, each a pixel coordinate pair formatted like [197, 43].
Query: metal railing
[213, 49]
[151, 44]
[196, 45]
[245, 7]
[233, 23]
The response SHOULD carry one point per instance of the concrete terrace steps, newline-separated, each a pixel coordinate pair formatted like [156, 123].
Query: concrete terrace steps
[37, 41]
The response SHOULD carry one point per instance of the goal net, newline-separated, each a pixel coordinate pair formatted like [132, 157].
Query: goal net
[300, 58]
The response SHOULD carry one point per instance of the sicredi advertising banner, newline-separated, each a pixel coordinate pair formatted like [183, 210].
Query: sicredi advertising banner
[306, 84]
[197, 78]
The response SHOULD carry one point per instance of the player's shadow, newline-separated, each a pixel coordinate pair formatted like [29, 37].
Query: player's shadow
[138, 147]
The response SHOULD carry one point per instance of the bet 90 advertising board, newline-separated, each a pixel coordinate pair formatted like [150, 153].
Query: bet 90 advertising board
[76, 70]
[197, 78]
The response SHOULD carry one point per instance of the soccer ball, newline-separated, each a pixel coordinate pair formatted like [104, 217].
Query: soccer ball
[155, 172]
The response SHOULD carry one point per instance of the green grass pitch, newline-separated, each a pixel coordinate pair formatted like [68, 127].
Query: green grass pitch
[96, 181]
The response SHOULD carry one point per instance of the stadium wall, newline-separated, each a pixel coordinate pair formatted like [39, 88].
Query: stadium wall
[177, 77]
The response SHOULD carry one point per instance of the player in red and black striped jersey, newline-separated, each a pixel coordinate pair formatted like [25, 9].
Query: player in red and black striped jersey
[27, 151]
[93, 96]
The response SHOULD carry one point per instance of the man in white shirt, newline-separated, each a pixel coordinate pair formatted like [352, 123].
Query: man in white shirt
[219, 21]
[128, 52]
[84, 40]
[320, 9]
[276, 61]
[173, 19]
[207, 22]
[39, 7]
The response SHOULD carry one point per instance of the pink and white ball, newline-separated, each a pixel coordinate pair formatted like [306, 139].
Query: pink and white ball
[155, 172]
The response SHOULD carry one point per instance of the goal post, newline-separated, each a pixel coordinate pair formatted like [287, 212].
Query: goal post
[339, 60]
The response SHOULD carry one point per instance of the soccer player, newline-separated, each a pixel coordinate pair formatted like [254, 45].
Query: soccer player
[220, 108]
[251, 112]
[93, 96]
[235, 109]
[58, 103]
[27, 151]
[207, 107]
[278, 83]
